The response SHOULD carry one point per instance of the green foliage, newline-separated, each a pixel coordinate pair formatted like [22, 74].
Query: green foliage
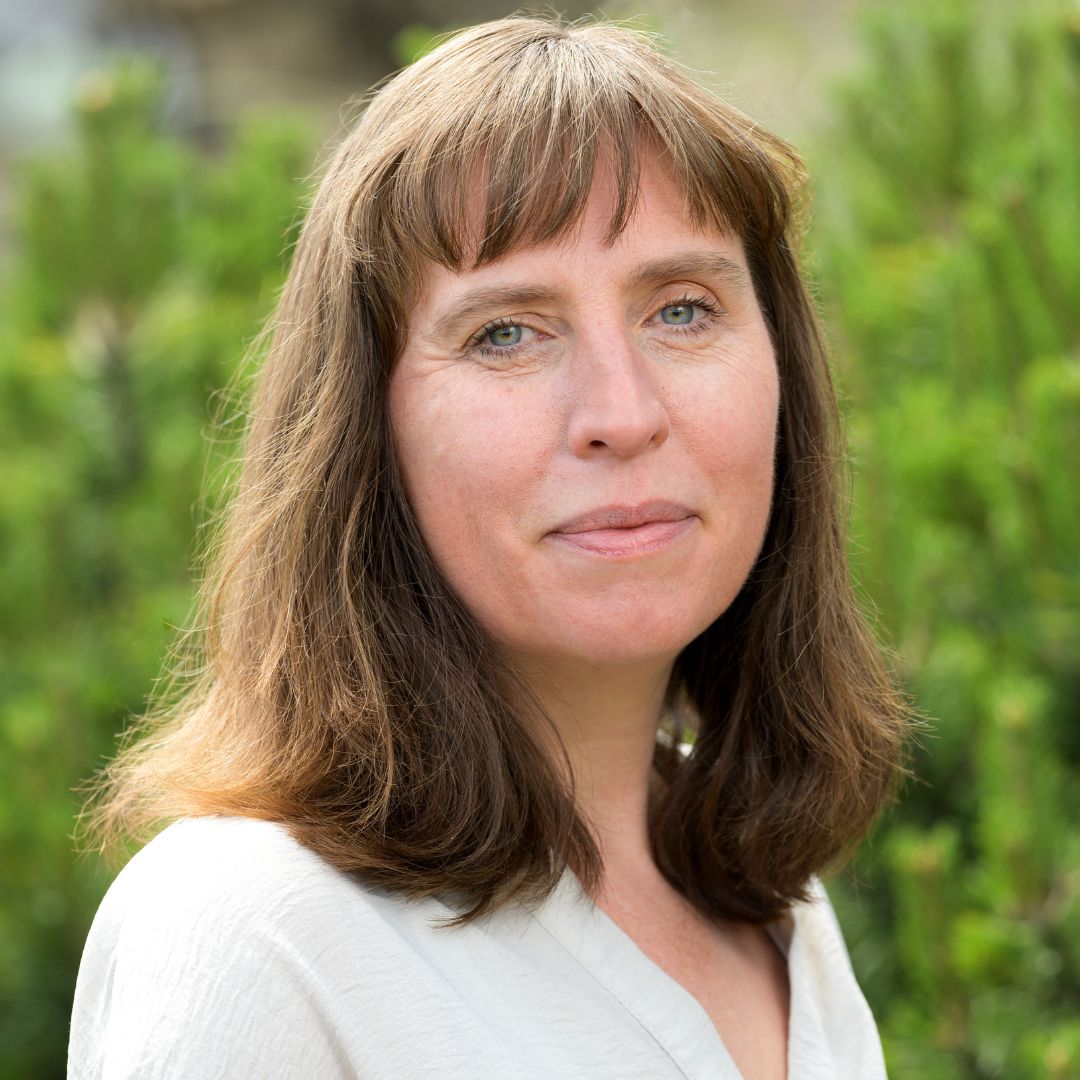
[142, 267]
[944, 245]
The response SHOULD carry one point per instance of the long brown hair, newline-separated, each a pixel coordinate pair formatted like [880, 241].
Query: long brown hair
[337, 685]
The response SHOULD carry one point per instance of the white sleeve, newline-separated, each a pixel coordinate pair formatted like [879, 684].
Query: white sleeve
[191, 980]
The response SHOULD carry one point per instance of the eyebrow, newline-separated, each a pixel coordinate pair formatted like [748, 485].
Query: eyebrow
[475, 302]
[709, 263]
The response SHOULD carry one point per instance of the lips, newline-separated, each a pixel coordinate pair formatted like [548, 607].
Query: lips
[622, 532]
[623, 517]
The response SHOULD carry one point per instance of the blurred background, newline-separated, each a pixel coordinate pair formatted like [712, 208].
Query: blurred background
[154, 160]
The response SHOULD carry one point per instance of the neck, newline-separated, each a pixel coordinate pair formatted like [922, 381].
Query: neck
[608, 718]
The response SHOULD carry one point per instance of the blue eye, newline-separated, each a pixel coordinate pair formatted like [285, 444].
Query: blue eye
[504, 335]
[677, 314]
[502, 339]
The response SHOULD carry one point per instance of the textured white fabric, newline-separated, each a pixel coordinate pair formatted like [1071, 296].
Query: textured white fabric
[227, 950]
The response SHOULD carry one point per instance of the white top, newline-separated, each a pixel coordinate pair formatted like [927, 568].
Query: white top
[226, 950]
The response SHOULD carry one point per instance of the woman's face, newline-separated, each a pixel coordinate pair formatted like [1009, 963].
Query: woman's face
[586, 433]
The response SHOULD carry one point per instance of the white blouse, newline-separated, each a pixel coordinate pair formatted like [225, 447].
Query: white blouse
[227, 950]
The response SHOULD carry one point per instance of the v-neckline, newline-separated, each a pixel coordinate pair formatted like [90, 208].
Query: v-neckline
[663, 1007]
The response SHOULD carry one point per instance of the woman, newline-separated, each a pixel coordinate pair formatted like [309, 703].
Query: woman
[533, 696]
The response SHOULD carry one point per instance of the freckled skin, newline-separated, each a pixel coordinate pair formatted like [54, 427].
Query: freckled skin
[610, 392]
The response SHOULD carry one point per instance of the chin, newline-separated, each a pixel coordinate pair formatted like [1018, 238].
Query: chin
[646, 640]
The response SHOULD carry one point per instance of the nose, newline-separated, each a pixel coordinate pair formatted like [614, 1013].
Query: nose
[615, 403]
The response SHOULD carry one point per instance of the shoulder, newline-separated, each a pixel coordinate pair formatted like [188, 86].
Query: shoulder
[810, 928]
[201, 877]
[212, 849]
[235, 887]
[836, 1018]
[820, 928]
[217, 925]
[219, 863]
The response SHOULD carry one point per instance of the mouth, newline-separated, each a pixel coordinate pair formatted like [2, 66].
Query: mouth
[621, 532]
[623, 517]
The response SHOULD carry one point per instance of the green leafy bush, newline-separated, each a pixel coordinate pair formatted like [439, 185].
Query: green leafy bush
[945, 247]
[142, 268]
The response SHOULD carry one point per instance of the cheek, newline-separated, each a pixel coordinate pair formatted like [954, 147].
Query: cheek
[733, 431]
[733, 441]
[433, 452]
[467, 462]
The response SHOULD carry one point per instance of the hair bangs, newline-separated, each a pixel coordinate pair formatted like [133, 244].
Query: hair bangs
[506, 154]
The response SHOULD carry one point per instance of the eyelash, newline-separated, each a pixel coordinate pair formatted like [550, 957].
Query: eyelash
[711, 309]
[479, 340]
[712, 312]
